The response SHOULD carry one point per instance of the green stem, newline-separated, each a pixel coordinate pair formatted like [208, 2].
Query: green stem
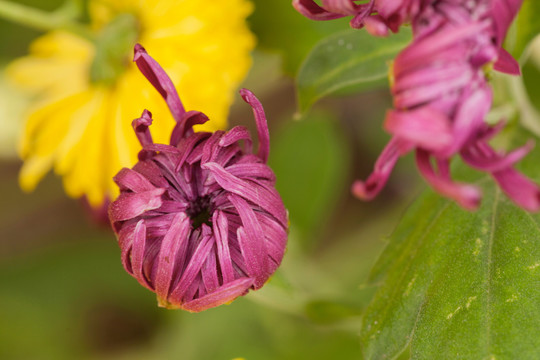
[41, 20]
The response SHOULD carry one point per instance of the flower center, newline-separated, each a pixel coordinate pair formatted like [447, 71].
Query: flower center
[200, 211]
[113, 49]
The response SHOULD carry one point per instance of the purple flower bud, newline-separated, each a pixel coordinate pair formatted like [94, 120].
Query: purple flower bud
[198, 221]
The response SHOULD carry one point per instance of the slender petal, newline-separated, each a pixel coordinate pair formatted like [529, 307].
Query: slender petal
[128, 179]
[183, 126]
[467, 196]
[171, 253]
[223, 295]
[141, 125]
[131, 205]
[311, 10]
[138, 253]
[426, 127]
[367, 190]
[520, 189]
[260, 120]
[160, 80]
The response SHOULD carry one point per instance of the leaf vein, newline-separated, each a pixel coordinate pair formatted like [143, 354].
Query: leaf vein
[488, 270]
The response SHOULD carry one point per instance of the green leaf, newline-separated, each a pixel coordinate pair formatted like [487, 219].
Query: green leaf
[531, 80]
[347, 60]
[457, 284]
[526, 27]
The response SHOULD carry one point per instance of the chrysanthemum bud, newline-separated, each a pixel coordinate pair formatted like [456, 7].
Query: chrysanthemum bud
[198, 221]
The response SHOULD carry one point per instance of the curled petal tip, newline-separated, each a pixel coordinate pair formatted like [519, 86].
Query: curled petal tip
[246, 95]
[260, 120]
[469, 197]
[138, 50]
[145, 119]
[141, 125]
[360, 190]
[157, 76]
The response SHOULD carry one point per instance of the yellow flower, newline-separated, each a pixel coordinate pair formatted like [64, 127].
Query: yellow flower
[87, 93]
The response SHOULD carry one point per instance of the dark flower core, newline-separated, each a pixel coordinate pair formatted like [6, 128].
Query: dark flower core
[200, 211]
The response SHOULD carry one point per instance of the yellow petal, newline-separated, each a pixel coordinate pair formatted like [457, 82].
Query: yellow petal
[84, 130]
[32, 171]
[46, 129]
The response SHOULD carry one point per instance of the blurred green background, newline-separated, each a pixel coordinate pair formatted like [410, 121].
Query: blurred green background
[65, 295]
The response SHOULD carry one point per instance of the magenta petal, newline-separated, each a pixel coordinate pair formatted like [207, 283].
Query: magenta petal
[468, 119]
[426, 92]
[221, 232]
[275, 239]
[160, 80]
[171, 255]
[482, 157]
[211, 147]
[187, 146]
[138, 253]
[130, 205]
[192, 270]
[367, 190]
[252, 243]
[162, 148]
[373, 24]
[209, 274]
[311, 10]
[467, 196]
[236, 134]
[253, 171]
[503, 12]
[128, 179]
[519, 189]
[150, 170]
[141, 125]
[222, 295]
[506, 63]
[184, 126]
[340, 6]
[429, 75]
[258, 195]
[260, 120]
[425, 127]
[125, 241]
[423, 49]
[388, 8]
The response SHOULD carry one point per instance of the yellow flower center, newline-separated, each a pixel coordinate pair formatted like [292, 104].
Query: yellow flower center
[114, 45]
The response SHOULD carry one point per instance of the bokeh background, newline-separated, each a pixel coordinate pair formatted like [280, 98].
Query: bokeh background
[65, 295]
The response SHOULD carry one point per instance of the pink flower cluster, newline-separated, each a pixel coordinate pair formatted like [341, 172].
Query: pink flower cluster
[441, 94]
[376, 16]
